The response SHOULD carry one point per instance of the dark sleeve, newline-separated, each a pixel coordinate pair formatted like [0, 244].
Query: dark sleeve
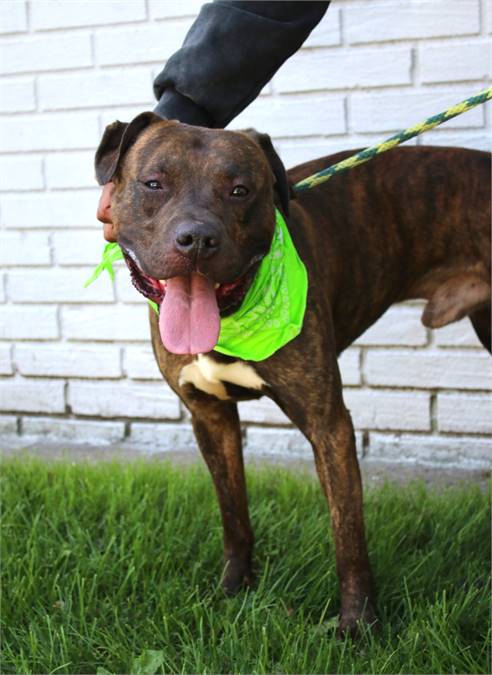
[231, 51]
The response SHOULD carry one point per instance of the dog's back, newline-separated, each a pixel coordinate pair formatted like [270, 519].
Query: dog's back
[412, 223]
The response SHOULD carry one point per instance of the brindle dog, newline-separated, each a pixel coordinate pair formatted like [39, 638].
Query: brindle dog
[193, 210]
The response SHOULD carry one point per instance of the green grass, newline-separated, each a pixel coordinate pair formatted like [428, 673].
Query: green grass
[101, 563]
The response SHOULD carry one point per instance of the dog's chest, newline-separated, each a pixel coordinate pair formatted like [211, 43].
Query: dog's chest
[212, 377]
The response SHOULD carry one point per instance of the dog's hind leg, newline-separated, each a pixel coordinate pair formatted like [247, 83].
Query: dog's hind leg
[217, 430]
[481, 320]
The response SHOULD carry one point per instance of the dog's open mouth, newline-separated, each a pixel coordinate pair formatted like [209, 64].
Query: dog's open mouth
[190, 306]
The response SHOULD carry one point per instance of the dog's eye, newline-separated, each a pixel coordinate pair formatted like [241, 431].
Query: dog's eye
[153, 185]
[240, 191]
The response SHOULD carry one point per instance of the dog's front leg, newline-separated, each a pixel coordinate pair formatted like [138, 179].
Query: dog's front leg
[338, 471]
[320, 414]
[217, 430]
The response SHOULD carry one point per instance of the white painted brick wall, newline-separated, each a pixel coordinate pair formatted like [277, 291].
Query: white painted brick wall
[50, 209]
[77, 248]
[17, 96]
[50, 52]
[125, 290]
[64, 360]
[400, 325]
[163, 437]
[25, 395]
[115, 87]
[169, 10]
[391, 112]
[433, 369]
[316, 70]
[459, 412]
[148, 45]
[383, 21]
[24, 248]
[473, 62]
[13, 17]
[441, 450]
[55, 285]
[458, 334]
[326, 115]
[139, 364]
[274, 442]
[49, 15]
[8, 425]
[5, 360]
[383, 409]
[78, 431]
[262, 411]
[65, 170]
[128, 400]
[116, 323]
[284, 442]
[73, 359]
[349, 363]
[28, 323]
[49, 132]
[21, 173]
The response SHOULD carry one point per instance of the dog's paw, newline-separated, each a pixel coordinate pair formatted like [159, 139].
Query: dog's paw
[238, 575]
[355, 623]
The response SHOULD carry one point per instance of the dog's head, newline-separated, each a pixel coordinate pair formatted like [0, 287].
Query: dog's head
[193, 210]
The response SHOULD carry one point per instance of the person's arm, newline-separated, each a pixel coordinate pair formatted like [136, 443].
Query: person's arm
[231, 51]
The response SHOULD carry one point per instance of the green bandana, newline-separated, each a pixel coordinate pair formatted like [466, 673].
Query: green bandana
[272, 312]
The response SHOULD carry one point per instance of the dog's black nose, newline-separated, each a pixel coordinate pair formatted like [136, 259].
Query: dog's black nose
[197, 240]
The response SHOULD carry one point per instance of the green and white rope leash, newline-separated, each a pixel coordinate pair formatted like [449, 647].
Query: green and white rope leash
[393, 141]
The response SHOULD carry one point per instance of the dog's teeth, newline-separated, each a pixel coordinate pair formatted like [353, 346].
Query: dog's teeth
[216, 285]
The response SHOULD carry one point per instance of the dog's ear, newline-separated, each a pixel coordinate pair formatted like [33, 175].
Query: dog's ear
[282, 186]
[116, 140]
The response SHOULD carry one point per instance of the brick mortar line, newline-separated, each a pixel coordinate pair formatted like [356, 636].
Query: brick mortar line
[96, 108]
[92, 41]
[454, 350]
[439, 87]
[96, 67]
[369, 88]
[248, 424]
[363, 387]
[69, 415]
[459, 88]
[404, 40]
[185, 424]
[51, 72]
[482, 17]
[42, 32]
[30, 153]
[295, 141]
[52, 191]
[434, 88]
[28, 14]
[432, 40]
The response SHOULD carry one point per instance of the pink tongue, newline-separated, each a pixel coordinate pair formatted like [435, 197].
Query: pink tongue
[189, 320]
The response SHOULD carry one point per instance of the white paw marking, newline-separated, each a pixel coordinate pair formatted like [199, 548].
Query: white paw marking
[209, 376]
